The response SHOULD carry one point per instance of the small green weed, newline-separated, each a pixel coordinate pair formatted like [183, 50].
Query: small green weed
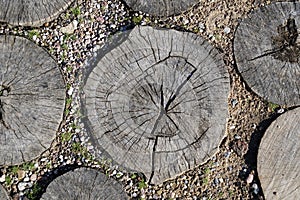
[35, 192]
[142, 184]
[8, 180]
[66, 137]
[32, 33]
[137, 19]
[76, 11]
[273, 106]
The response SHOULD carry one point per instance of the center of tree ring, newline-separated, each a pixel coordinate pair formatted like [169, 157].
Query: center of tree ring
[155, 102]
[286, 43]
[155, 98]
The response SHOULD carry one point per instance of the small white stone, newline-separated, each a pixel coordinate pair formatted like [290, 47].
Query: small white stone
[227, 30]
[70, 91]
[34, 37]
[26, 179]
[280, 111]
[2, 178]
[22, 186]
[250, 178]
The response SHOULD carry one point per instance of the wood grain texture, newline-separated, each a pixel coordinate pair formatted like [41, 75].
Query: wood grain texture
[279, 158]
[157, 103]
[161, 7]
[267, 52]
[85, 184]
[31, 12]
[3, 194]
[32, 96]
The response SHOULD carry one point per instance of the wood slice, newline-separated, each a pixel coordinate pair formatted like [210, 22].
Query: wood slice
[31, 12]
[161, 7]
[3, 194]
[267, 52]
[157, 102]
[32, 96]
[84, 183]
[279, 158]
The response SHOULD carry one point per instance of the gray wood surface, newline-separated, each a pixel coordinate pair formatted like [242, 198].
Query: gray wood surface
[157, 103]
[267, 52]
[84, 184]
[161, 7]
[31, 12]
[279, 158]
[3, 194]
[32, 96]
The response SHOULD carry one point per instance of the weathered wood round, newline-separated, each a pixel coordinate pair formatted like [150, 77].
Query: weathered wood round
[159, 7]
[279, 158]
[3, 194]
[84, 183]
[267, 52]
[157, 103]
[31, 12]
[32, 96]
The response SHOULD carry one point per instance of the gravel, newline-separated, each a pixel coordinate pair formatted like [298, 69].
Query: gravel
[73, 38]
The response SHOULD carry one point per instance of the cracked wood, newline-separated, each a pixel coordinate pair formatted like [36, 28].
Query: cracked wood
[84, 183]
[31, 12]
[278, 157]
[267, 52]
[157, 103]
[161, 7]
[32, 96]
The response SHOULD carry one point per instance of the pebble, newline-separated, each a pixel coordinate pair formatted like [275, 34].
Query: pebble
[21, 174]
[237, 137]
[216, 181]
[255, 188]
[26, 179]
[33, 177]
[2, 178]
[250, 178]
[22, 186]
[227, 30]
[233, 102]
[280, 111]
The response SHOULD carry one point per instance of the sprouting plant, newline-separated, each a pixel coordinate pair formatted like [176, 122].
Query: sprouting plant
[66, 136]
[14, 170]
[137, 19]
[142, 184]
[35, 192]
[64, 46]
[205, 181]
[32, 33]
[273, 106]
[8, 180]
[68, 102]
[28, 166]
[76, 147]
[76, 11]
[206, 170]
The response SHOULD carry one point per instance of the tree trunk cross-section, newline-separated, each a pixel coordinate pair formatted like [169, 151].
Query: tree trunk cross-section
[279, 158]
[85, 184]
[3, 194]
[161, 7]
[157, 103]
[32, 96]
[31, 12]
[267, 52]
